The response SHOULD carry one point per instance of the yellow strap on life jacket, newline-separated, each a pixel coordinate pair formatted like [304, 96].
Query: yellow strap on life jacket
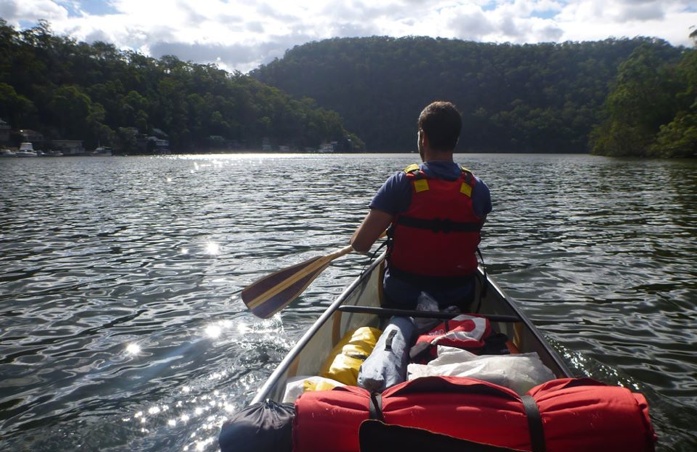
[419, 184]
[466, 188]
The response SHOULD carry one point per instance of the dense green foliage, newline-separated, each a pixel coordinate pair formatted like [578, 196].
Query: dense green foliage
[651, 109]
[96, 93]
[616, 97]
[514, 98]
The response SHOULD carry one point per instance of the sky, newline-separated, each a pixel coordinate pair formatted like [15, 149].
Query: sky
[241, 35]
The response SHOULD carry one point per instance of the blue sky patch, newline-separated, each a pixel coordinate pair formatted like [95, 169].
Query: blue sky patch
[93, 7]
[545, 14]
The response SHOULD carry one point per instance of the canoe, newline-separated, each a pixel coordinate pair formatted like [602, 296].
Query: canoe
[436, 412]
[310, 352]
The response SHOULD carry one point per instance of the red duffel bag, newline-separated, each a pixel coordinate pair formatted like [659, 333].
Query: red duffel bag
[561, 415]
[584, 414]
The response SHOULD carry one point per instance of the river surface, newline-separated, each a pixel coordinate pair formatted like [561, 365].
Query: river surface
[122, 329]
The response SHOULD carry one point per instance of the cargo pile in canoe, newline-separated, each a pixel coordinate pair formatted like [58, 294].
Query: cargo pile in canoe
[366, 378]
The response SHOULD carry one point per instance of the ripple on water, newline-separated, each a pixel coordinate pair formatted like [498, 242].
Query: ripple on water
[120, 316]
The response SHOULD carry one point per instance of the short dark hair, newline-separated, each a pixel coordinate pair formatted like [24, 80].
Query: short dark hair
[442, 124]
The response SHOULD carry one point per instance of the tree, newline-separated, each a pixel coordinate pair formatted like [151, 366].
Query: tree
[640, 102]
[678, 138]
[70, 108]
[15, 108]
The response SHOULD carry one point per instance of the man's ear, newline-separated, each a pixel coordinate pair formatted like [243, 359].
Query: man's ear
[423, 140]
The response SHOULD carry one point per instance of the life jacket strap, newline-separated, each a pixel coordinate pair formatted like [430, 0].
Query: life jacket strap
[439, 225]
[537, 434]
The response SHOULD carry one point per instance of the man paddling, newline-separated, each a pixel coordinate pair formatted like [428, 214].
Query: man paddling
[435, 212]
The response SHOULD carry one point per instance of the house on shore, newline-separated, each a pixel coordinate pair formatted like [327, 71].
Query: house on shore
[33, 137]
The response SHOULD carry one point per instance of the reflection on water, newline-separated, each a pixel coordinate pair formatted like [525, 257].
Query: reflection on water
[120, 319]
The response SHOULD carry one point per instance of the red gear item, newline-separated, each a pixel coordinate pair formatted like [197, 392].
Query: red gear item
[467, 332]
[576, 415]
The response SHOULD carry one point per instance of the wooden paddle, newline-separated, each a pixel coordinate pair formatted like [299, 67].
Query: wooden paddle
[270, 294]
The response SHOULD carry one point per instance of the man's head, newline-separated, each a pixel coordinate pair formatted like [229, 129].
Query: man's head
[441, 123]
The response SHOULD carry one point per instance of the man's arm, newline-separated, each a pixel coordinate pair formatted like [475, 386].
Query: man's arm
[368, 232]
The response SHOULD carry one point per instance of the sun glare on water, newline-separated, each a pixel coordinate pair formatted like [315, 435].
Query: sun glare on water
[214, 331]
[212, 248]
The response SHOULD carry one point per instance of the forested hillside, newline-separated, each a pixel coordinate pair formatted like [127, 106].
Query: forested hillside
[620, 97]
[514, 98]
[96, 93]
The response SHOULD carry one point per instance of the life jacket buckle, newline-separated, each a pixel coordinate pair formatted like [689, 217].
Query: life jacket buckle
[442, 225]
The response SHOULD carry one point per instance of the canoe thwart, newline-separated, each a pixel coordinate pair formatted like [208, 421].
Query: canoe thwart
[388, 312]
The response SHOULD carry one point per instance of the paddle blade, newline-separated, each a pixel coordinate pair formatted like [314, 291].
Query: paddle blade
[274, 292]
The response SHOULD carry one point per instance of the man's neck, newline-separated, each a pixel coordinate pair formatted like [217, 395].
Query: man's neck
[437, 156]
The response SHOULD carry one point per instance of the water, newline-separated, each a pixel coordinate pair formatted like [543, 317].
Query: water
[121, 326]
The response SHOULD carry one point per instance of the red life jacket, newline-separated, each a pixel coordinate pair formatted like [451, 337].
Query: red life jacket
[439, 233]
[564, 415]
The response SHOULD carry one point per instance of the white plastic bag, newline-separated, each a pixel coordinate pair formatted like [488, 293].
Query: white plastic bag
[519, 372]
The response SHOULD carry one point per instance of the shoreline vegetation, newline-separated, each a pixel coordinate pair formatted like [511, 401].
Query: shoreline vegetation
[618, 97]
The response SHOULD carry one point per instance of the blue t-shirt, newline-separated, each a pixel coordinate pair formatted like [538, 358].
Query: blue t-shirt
[394, 197]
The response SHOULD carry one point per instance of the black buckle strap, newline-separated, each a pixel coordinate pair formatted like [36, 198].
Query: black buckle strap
[375, 408]
[437, 225]
[537, 433]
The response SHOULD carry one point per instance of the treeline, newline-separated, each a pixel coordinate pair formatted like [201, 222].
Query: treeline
[514, 98]
[97, 93]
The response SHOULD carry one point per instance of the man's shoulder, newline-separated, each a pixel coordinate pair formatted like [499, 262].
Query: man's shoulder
[397, 177]
[393, 194]
[481, 182]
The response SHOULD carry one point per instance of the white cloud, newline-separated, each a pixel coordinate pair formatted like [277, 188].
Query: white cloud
[32, 10]
[598, 19]
[240, 35]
